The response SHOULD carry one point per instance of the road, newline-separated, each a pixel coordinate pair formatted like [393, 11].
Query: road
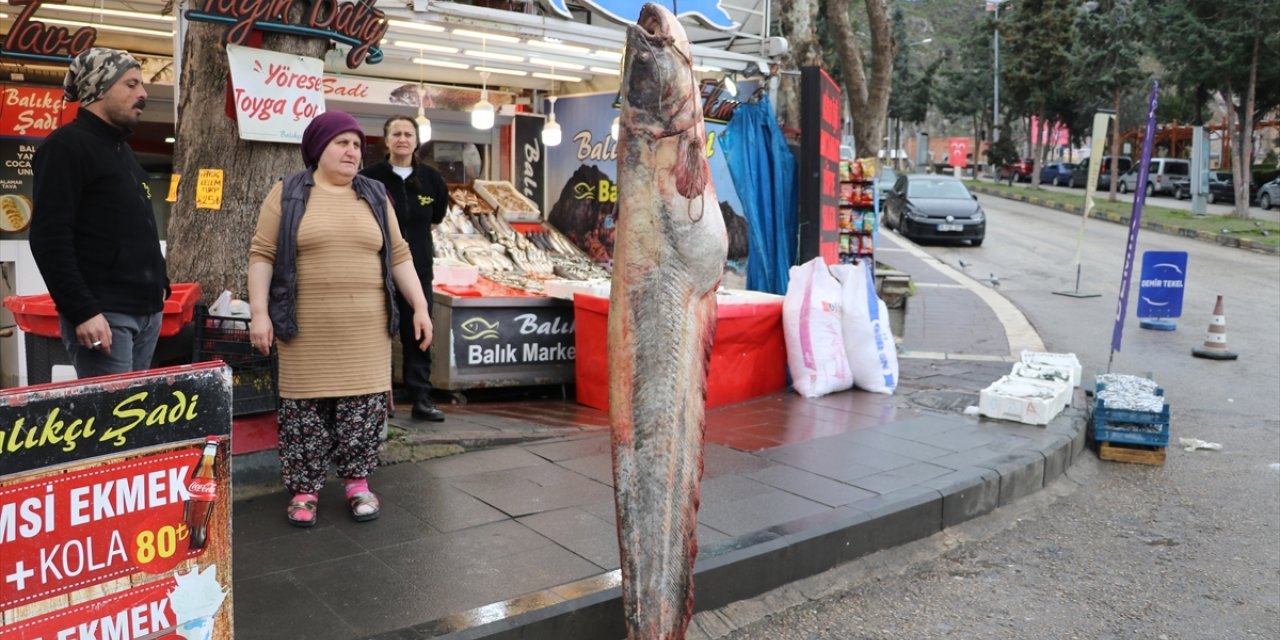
[1190, 550]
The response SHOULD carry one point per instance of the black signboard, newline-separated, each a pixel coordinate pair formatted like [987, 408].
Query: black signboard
[529, 174]
[57, 424]
[821, 106]
[506, 336]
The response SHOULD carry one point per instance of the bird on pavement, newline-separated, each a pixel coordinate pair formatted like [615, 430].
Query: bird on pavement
[995, 281]
[964, 264]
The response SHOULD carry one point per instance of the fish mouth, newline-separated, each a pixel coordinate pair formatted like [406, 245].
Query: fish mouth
[652, 24]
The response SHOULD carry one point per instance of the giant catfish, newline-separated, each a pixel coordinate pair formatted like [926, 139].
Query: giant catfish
[667, 263]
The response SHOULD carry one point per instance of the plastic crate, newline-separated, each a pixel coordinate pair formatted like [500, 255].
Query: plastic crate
[1126, 426]
[253, 375]
[37, 314]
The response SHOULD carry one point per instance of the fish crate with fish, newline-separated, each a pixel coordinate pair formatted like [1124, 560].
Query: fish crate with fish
[1130, 410]
[253, 375]
[507, 200]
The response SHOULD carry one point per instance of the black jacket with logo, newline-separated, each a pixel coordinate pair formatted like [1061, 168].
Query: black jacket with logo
[93, 233]
[421, 200]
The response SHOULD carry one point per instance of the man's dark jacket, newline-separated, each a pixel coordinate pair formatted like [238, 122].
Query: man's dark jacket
[421, 200]
[93, 232]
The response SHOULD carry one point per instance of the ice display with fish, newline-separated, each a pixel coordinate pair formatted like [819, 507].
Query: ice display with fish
[668, 261]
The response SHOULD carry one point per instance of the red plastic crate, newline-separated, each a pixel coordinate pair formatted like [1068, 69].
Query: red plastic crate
[38, 315]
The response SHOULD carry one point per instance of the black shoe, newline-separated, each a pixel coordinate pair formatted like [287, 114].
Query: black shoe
[426, 410]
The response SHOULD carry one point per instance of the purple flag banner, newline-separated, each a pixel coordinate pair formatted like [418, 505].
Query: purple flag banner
[1135, 219]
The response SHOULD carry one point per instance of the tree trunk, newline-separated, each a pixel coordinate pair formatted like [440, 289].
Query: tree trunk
[1244, 171]
[868, 101]
[1115, 146]
[798, 24]
[206, 245]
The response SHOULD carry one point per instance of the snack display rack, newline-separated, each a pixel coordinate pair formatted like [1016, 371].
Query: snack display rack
[859, 214]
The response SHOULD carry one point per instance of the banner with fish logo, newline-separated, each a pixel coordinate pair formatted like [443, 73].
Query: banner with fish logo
[709, 12]
[581, 179]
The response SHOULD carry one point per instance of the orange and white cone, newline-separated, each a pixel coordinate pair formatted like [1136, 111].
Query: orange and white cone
[1215, 339]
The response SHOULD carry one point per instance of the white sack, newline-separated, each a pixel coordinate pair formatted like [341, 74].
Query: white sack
[811, 325]
[868, 341]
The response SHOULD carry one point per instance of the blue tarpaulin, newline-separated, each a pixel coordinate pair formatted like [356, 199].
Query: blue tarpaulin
[764, 175]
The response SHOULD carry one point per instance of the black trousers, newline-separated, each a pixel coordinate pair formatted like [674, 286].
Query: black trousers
[417, 363]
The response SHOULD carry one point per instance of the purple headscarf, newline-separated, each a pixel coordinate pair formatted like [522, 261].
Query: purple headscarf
[322, 130]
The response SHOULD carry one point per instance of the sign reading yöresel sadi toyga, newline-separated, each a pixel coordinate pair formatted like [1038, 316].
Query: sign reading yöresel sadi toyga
[134, 542]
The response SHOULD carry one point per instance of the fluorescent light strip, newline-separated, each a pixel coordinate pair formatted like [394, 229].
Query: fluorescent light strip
[706, 69]
[606, 71]
[137, 15]
[422, 46]
[558, 47]
[608, 55]
[556, 76]
[111, 27]
[485, 36]
[557, 65]
[420, 26]
[494, 56]
[441, 63]
[503, 72]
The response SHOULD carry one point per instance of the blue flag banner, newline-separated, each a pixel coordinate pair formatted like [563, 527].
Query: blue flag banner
[1135, 219]
[1164, 276]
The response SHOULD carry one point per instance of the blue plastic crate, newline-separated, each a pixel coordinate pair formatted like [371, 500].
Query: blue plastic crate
[1130, 427]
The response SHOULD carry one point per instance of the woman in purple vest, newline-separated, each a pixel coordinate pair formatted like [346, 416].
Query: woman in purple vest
[322, 263]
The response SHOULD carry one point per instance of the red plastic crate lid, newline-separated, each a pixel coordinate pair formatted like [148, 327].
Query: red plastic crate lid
[39, 315]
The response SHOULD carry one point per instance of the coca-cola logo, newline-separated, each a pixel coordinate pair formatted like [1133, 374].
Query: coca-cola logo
[203, 489]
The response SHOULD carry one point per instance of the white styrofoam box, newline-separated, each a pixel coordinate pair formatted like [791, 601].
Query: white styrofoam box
[743, 296]
[1025, 400]
[1064, 360]
[1041, 371]
[455, 275]
[566, 289]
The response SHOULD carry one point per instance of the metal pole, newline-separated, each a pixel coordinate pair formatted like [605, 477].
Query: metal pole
[995, 102]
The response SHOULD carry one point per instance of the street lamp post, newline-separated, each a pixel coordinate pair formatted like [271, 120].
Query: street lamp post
[995, 77]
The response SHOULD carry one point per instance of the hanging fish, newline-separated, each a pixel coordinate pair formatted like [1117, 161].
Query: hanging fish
[667, 263]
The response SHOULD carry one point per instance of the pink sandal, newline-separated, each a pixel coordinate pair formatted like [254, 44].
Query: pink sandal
[302, 510]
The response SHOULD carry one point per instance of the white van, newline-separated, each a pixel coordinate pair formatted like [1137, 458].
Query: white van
[1161, 174]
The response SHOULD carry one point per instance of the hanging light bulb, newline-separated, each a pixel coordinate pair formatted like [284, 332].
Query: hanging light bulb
[613, 128]
[551, 130]
[730, 87]
[482, 112]
[424, 125]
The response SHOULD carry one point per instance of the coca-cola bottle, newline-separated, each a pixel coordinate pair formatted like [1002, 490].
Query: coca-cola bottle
[203, 488]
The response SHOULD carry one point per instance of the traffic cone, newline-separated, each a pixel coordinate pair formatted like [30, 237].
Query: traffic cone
[1215, 339]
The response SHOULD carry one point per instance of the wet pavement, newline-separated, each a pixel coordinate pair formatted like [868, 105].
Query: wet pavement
[515, 538]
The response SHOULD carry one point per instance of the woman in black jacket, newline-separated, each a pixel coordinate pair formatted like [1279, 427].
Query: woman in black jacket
[421, 198]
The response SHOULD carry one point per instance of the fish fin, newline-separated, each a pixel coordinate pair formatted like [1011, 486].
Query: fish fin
[691, 168]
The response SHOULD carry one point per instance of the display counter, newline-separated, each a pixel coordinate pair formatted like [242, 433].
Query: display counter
[491, 335]
[748, 353]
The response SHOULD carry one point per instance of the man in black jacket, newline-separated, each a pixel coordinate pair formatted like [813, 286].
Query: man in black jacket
[93, 233]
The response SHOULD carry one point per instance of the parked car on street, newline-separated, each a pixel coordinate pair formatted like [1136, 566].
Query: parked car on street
[1221, 189]
[1057, 174]
[934, 207]
[1161, 173]
[1269, 194]
[1080, 175]
[1020, 171]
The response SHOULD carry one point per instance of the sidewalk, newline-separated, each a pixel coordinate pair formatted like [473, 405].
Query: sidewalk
[517, 540]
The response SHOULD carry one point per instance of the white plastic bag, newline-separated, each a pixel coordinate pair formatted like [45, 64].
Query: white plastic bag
[811, 326]
[868, 341]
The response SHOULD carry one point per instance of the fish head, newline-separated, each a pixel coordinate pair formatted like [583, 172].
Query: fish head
[659, 92]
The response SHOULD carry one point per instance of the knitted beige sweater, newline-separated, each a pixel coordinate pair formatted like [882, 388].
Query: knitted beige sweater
[342, 347]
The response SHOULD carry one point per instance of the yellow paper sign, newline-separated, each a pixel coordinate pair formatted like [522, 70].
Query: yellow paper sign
[209, 189]
[173, 188]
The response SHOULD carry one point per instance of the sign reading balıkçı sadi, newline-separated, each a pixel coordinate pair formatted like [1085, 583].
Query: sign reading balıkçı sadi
[357, 23]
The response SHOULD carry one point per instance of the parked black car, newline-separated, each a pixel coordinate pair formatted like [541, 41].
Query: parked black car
[1221, 188]
[934, 207]
[1080, 175]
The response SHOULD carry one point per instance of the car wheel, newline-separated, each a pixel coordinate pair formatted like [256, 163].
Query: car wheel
[1124, 187]
[1264, 201]
[1151, 190]
[1177, 194]
[1071, 182]
[1210, 198]
[977, 242]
